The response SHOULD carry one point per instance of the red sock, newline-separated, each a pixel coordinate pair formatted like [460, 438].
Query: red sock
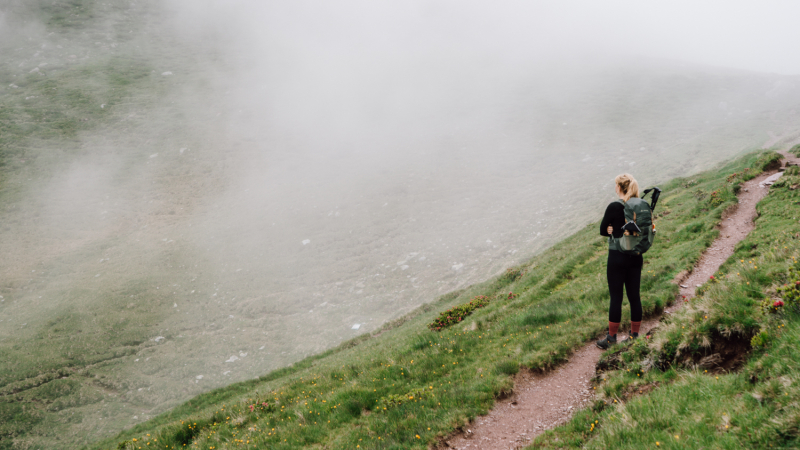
[612, 328]
[635, 327]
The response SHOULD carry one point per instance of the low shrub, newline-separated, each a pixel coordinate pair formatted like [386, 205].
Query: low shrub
[761, 340]
[457, 313]
[737, 175]
[717, 198]
[511, 275]
[790, 291]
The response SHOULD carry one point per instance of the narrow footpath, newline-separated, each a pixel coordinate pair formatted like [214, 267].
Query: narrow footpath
[543, 401]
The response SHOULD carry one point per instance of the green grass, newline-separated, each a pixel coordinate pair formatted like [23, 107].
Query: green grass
[753, 405]
[354, 395]
[45, 117]
[88, 77]
[54, 109]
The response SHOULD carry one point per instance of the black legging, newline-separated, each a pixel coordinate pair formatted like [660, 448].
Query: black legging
[624, 270]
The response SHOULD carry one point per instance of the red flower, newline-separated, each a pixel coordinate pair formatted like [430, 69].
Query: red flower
[712, 277]
[778, 303]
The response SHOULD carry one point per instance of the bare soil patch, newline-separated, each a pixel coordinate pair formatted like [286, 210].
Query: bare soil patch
[725, 354]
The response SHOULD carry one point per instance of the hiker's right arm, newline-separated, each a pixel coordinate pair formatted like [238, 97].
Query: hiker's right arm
[613, 219]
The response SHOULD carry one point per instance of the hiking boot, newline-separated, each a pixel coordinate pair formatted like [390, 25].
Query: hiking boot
[607, 341]
[631, 337]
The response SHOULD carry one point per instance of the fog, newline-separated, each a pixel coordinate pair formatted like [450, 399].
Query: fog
[270, 179]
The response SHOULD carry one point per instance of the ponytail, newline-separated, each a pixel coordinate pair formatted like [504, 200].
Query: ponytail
[627, 185]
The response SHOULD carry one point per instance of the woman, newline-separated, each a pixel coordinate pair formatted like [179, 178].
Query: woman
[623, 269]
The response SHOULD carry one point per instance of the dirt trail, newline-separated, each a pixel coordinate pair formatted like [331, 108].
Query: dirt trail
[541, 402]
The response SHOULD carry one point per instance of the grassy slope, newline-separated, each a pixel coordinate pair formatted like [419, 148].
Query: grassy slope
[445, 379]
[44, 118]
[42, 111]
[756, 407]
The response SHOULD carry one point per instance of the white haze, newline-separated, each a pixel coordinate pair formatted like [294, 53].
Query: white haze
[320, 165]
[734, 34]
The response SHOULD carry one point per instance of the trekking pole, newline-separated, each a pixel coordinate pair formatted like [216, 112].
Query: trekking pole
[656, 193]
[654, 198]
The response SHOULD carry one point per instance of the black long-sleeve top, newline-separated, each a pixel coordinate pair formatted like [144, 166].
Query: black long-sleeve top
[614, 216]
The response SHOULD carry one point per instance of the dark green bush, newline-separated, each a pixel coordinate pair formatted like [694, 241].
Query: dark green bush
[511, 275]
[457, 313]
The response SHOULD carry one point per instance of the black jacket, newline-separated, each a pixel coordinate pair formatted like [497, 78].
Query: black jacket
[614, 216]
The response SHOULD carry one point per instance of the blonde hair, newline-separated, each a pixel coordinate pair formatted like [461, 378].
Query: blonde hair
[627, 185]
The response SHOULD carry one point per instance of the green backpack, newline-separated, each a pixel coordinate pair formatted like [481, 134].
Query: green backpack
[633, 242]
